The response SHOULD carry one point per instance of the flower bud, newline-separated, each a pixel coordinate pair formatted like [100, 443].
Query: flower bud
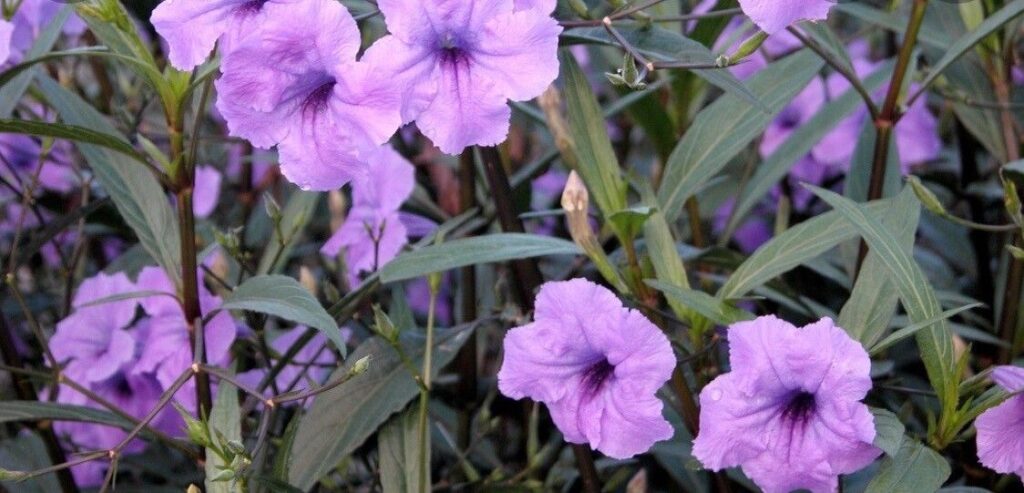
[928, 198]
[361, 365]
[383, 325]
[193, 489]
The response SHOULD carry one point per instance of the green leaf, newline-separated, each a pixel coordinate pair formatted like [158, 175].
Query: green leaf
[914, 469]
[629, 222]
[135, 191]
[993, 23]
[355, 410]
[597, 163]
[888, 431]
[282, 458]
[12, 92]
[659, 44]
[16, 411]
[919, 300]
[727, 126]
[716, 310]
[399, 450]
[471, 251]
[891, 22]
[799, 143]
[225, 418]
[27, 452]
[70, 132]
[866, 315]
[661, 248]
[284, 297]
[913, 329]
[793, 247]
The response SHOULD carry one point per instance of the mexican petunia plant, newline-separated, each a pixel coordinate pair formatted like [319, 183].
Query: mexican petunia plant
[512, 245]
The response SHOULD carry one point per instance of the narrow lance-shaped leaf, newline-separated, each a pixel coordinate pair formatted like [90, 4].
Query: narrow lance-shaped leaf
[726, 127]
[597, 163]
[919, 300]
[12, 91]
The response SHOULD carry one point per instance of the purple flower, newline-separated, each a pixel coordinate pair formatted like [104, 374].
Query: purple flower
[93, 340]
[19, 160]
[166, 351]
[1001, 429]
[597, 366]
[773, 16]
[462, 60]
[6, 30]
[295, 376]
[31, 17]
[295, 83]
[192, 27]
[207, 190]
[790, 411]
[373, 232]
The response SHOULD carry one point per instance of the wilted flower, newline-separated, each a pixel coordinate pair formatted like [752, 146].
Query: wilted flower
[1001, 429]
[462, 60]
[597, 366]
[790, 411]
[773, 16]
[374, 232]
[192, 27]
[295, 83]
[93, 340]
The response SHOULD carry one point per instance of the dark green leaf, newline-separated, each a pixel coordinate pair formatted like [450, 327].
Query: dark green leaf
[355, 410]
[727, 126]
[471, 251]
[915, 469]
[399, 450]
[225, 420]
[714, 309]
[75, 133]
[888, 431]
[284, 297]
[14, 411]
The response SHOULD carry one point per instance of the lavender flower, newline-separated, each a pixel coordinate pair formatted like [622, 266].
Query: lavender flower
[790, 411]
[31, 17]
[207, 190]
[295, 83]
[167, 352]
[1001, 429]
[192, 27]
[295, 375]
[462, 60]
[773, 16]
[596, 364]
[374, 232]
[6, 30]
[93, 340]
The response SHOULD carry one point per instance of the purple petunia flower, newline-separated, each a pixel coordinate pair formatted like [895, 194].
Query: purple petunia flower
[94, 340]
[295, 83]
[1001, 429]
[462, 60]
[374, 231]
[166, 351]
[790, 411]
[597, 366]
[773, 16]
[6, 30]
[192, 27]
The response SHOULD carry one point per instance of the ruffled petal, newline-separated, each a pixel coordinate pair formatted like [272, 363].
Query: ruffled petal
[519, 54]
[773, 16]
[543, 361]
[467, 110]
[1010, 378]
[1001, 437]
[191, 28]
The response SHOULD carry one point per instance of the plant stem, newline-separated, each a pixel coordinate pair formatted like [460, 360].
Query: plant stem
[465, 361]
[424, 410]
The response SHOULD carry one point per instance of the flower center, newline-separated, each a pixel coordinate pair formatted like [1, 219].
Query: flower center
[316, 102]
[595, 376]
[452, 50]
[800, 407]
[250, 7]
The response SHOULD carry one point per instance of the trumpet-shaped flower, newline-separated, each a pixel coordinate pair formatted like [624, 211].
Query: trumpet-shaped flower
[192, 27]
[773, 16]
[1001, 429]
[462, 60]
[790, 411]
[596, 365]
[295, 83]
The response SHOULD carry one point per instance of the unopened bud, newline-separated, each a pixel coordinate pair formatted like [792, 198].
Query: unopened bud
[272, 207]
[383, 325]
[360, 366]
[307, 280]
[337, 205]
[928, 198]
[193, 489]
[575, 197]
[746, 49]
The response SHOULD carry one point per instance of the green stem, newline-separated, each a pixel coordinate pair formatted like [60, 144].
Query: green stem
[424, 411]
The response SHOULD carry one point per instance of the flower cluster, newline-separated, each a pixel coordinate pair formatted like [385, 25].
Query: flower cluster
[130, 360]
[292, 77]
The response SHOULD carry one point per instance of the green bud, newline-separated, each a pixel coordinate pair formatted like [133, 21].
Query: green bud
[7, 475]
[580, 7]
[361, 365]
[928, 198]
[195, 430]
[273, 208]
[383, 325]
